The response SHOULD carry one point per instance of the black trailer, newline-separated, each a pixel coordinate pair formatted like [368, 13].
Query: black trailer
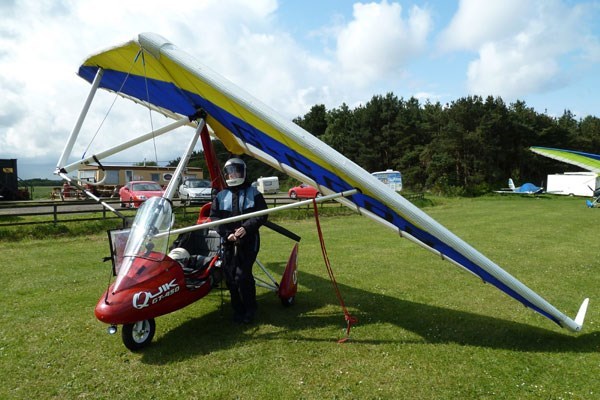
[9, 181]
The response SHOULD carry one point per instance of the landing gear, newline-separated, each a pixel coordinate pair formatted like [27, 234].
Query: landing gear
[139, 334]
[288, 302]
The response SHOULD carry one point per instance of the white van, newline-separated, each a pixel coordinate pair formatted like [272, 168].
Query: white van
[267, 184]
[391, 178]
[573, 183]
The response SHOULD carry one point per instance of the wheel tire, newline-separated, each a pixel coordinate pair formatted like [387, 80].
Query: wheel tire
[139, 334]
[293, 195]
[288, 302]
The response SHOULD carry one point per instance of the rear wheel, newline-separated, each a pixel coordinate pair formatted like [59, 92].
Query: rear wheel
[293, 195]
[139, 334]
[289, 301]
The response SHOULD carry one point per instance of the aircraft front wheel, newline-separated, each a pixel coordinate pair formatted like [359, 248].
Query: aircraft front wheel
[139, 334]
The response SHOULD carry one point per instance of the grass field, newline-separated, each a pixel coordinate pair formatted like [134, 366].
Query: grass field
[427, 330]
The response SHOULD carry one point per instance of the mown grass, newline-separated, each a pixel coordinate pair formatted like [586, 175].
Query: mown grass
[43, 192]
[426, 330]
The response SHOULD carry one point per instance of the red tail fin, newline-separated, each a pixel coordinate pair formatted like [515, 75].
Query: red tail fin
[289, 281]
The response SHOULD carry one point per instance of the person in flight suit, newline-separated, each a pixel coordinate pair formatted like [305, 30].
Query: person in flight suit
[241, 240]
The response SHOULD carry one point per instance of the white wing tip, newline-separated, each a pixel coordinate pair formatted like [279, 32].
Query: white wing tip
[581, 313]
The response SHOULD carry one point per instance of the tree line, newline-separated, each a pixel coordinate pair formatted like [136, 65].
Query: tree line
[467, 147]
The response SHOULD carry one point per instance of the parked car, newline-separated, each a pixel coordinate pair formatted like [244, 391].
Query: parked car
[134, 193]
[195, 190]
[303, 191]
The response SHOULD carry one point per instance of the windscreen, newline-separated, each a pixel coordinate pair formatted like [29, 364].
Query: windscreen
[199, 184]
[146, 187]
[153, 217]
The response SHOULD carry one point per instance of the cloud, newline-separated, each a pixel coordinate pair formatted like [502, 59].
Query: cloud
[522, 46]
[43, 42]
[509, 70]
[478, 22]
[379, 43]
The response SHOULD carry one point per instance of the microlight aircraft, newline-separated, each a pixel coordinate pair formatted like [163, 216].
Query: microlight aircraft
[155, 73]
[526, 188]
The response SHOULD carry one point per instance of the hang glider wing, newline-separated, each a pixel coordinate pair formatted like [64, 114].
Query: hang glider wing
[154, 72]
[587, 161]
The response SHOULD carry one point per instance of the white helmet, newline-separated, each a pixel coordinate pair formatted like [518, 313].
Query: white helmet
[180, 255]
[235, 172]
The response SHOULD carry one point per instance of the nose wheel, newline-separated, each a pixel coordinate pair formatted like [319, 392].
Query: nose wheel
[139, 334]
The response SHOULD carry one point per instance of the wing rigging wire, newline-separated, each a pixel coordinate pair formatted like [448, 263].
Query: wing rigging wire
[149, 109]
[111, 105]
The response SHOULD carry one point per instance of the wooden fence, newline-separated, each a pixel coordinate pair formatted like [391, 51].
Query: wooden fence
[57, 211]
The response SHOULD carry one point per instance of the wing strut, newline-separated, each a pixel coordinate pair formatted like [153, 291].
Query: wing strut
[212, 224]
[174, 183]
[75, 132]
[125, 145]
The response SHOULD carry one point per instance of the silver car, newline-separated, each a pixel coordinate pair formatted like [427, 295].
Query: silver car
[195, 190]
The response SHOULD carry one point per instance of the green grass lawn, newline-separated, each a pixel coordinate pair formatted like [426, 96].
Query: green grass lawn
[426, 330]
[43, 192]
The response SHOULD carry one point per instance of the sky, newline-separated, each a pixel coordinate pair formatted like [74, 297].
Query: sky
[291, 55]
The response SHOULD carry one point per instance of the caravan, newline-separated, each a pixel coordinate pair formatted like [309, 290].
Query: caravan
[391, 178]
[268, 184]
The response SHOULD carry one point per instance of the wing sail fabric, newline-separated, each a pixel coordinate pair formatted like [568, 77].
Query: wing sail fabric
[169, 80]
[588, 161]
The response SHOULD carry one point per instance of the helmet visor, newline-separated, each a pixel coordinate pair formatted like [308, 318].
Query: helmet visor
[234, 171]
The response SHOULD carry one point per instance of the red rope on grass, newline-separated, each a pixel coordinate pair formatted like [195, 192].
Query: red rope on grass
[350, 320]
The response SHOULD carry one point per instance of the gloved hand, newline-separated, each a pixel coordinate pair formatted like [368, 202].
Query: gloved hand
[239, 233]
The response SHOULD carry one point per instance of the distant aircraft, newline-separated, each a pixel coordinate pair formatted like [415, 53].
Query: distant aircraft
[526, 188]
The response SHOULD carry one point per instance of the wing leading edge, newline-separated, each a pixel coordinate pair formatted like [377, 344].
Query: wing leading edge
[156, 73]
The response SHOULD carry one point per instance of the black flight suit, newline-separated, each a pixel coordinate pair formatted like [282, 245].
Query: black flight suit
[239, 256]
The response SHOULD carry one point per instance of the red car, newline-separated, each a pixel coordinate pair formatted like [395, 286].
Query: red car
[134, 193]
[303, 191]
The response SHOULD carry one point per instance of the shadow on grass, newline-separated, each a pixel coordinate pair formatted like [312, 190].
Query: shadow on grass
[214, 331]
